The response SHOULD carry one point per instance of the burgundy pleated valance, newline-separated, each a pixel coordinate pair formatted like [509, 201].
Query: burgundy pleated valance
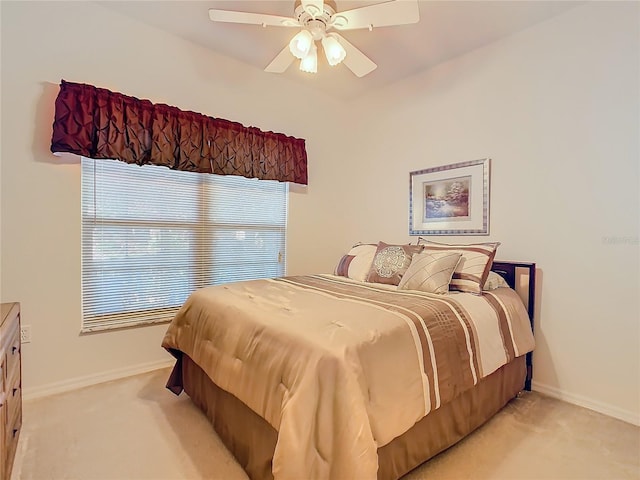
[97, 123]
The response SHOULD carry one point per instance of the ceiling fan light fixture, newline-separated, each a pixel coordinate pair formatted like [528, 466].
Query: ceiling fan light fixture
[334, 52]
[317, 17]
[309, 63]
[301, 44]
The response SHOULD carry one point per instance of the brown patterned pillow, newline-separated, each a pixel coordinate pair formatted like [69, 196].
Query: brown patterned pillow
[390, 262]
[430, 272]
[474, 266]
[357, 263]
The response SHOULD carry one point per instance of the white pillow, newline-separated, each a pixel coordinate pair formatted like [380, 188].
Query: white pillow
[430, 272]
[494, 280]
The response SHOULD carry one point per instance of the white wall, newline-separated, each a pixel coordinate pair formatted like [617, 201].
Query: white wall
[556, 107]
[43, 42]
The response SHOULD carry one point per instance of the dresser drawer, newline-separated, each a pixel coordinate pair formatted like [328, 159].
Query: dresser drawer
[13, 392]
[4, 397]
[11, 440]
[12, 355]
[3, 376]
[3, 440]
[10, 326]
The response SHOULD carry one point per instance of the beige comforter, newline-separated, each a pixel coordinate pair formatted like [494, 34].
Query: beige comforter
[340, 368]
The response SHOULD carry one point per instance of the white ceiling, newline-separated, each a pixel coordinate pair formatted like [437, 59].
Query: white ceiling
[446, 29]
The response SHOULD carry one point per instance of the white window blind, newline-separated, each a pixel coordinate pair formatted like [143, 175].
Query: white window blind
[151, 236]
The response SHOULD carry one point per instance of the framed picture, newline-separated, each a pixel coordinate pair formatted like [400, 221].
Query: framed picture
[450, 200]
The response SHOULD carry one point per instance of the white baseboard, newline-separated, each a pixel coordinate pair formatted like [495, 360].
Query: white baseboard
[610, 410]
[85, 381]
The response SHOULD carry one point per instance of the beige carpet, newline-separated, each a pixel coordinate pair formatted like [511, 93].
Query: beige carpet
[135, 429]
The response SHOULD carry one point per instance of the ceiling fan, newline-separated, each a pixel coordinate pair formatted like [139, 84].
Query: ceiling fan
[316, 19]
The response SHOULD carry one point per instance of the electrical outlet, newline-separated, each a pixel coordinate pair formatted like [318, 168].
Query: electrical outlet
[25, 334]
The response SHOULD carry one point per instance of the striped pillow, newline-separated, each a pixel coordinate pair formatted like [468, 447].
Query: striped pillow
[357, 263]
[430, 272]
[474, 266]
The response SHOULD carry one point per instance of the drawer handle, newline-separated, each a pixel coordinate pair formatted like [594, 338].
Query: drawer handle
[15, 432]
[15, 348]
[15, 390]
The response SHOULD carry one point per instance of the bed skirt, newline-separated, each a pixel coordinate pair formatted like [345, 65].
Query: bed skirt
[252, 440]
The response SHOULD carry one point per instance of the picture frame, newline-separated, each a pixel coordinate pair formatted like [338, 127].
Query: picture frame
[450, 199]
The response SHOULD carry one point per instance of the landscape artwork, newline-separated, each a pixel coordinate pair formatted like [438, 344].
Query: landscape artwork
[447, 199]
[450, 199]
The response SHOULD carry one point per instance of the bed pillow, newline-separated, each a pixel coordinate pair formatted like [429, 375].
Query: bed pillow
[494, 280]
[390, 262]
[357, 263]
[474, 266]
[430, 272]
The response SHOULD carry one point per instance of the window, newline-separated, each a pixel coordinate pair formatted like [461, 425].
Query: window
[151, 236]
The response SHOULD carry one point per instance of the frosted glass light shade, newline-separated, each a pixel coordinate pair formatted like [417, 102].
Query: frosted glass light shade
[300, 45]
[309, 63]
[334, 52]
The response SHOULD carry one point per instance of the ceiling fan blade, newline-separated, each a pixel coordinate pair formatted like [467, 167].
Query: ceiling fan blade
[251, 18]
[313, 7]
[355, 60]
[281, 62]
[394, 12]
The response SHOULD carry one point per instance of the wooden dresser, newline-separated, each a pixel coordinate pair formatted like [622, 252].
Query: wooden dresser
[10, 387]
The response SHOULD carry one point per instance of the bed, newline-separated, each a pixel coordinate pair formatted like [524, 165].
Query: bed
[323, 376]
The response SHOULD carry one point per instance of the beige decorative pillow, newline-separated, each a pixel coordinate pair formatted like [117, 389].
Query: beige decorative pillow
[430, 272]
[474, 266]
[357, 263]
[390, 263]
[494, 280]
